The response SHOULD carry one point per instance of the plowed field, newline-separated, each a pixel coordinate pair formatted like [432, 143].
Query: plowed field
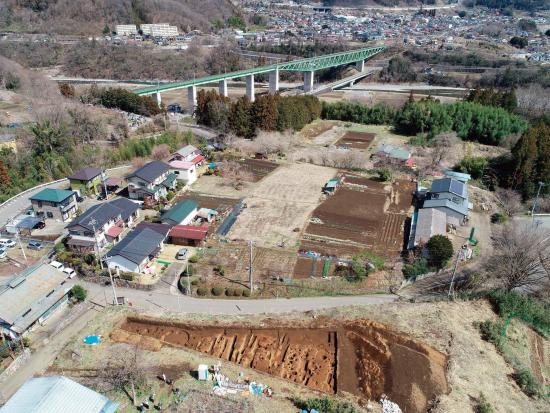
[362, 357]
[361, 214]
[357, 140]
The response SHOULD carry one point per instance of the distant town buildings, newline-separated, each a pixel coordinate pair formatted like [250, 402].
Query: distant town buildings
[126, 30]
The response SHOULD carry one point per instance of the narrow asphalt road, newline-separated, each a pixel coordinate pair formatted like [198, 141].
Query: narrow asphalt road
[164, 301]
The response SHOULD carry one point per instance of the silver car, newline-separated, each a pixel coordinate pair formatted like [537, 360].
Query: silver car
[182, 254]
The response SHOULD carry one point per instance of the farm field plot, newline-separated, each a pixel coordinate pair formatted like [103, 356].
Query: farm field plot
[362, 213]
[357, 140]
[235, 259]
[279, 205]
[258, 167]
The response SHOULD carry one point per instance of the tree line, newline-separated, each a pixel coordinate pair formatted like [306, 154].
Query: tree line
[267, 112]
[119, 98]
[470, 120]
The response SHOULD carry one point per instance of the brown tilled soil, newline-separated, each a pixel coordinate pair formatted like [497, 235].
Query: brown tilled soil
[363, 213]
[362, 357]
[259, 167]
[357, 140]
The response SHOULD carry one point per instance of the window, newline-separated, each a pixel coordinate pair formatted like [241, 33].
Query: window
[39, 204]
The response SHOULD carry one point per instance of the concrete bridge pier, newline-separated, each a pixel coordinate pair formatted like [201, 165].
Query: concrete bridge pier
[274, 81]
[159, 99]
[222, 87]
[192, 98]
[360, 65]
[309, 78]
[250, 87]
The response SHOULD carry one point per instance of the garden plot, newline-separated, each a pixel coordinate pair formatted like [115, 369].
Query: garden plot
[280, 204]
[357, 140]
[362, 213]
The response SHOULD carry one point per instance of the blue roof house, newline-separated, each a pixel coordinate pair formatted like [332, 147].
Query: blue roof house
[451, 197]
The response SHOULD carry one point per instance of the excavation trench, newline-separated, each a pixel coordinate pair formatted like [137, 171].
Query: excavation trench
[363, 358]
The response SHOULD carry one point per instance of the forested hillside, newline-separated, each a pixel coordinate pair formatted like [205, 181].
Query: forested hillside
[90, 17]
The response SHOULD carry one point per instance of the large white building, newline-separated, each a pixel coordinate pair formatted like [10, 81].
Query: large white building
[159, 30]
[126, 29]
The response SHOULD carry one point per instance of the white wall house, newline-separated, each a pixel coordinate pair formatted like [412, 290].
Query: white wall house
[186, 172]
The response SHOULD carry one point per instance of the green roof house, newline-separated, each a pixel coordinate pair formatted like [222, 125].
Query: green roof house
[58, 204]
[180, 214]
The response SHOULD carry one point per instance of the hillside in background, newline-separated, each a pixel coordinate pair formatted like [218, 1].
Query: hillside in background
[528, 5]
[90, 17]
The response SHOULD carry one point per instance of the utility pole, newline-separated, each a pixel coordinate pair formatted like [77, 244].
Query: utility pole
[104, 184]
[93, 222]
[188, 277]
[458, 257]
[115, 298]
[541, 184]
[250, 243]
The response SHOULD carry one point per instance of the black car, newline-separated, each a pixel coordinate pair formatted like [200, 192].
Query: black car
[39, 225]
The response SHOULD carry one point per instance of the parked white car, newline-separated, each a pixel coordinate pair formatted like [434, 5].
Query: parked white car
[69, 271]
[3, 253]
[57, 265]
[6, 242]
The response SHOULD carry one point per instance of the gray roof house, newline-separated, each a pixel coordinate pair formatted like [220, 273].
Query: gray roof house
[429, 222]
[57, 394]
[151, 171]
[31, 297]
[138, 248]
[151, 181]
[450, 196]
[187, 153]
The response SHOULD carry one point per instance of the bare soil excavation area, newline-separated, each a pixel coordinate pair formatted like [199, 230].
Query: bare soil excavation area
[361, 357]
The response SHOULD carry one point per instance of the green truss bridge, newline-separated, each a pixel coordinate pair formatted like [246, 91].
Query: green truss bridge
[306, 66]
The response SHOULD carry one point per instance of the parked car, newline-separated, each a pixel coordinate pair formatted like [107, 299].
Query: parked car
[101, 197]
[35, 245]
[39, 225]
[182, 254]
[3, 253]
[6, 242]
[79, 199]
[57, 265]
[69, 271]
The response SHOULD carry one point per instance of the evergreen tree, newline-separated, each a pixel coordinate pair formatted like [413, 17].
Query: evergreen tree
[241, 118]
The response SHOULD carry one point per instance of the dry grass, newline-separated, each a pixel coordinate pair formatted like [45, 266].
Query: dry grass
[281, 202]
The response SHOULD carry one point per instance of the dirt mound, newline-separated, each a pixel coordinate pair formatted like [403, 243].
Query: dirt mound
[363, 358]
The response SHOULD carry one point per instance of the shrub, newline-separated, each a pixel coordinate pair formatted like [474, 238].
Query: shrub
[238, 292]
[194, 282]
[384, 174]
[483, 406]
[170, 195]
[498, 218]
[246, 293]
[440, 250]
[527, 382]
[491, 331]
[325, 405]
[128, 276]
[230, 292]
[12, 82]
[220, 269]
[194, 259]
[217, 291]
[418, 267]
[473, 165]
[201, 291]
[79, 293]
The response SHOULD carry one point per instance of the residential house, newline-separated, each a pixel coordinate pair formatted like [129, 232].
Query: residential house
[57, 394]
[59, 204]
[31, 298]
[186, 172]
[151, 182]
[137, 250]
[395, 155]
[188, 154]
[429, 222]
[451, 197]
[180, 214]
[87, 180]
[101, 224]
[188, 235]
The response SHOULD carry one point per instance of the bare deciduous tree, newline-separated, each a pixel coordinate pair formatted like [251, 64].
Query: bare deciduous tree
[521, 257]
[509, 201]
[124, 372]
[442, 145]
[160, 152]
[235, 174]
